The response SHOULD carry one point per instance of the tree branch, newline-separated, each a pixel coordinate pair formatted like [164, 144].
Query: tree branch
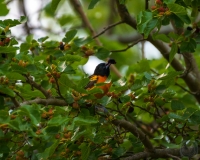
[158, 153]
[189, 79]
[37, 86]
[129, 46]
[136, 132]
[107, 28]
[50, 101]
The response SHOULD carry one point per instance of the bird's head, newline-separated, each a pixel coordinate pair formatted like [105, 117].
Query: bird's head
[103, 69]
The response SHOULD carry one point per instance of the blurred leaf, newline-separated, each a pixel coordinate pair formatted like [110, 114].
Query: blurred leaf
[4, 10]
[70, 35]
[54, 4]
[92, 4]
[177, 105]
[173, 51]
[23, 19]
[14, 76]
[170, 75]
[162, 37]
[195, 118]
[48, 151]
[1, 102]
[8, 49]
[32, 112]
[9, 22]
[43, 39]
[7, 91]
[52, 129]
[82, 41]
[102, 53]
[87, 120]
[69, 70]
[57, 121]
[85, 151]
[175, 116]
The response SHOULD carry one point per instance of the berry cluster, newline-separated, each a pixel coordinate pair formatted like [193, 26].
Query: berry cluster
[160, 8]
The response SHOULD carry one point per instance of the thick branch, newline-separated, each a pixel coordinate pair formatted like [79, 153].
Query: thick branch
[158, 153]
[189, 79]
[78, 8]
[37, 86]
[50, 101]
[136, 132]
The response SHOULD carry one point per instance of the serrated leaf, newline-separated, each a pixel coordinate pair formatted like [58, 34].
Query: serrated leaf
[70, 35]
[188, 46]
[102, 53]
[92, 4]
[177, 105]
[177, 9]
[146, 23]
[173, 51]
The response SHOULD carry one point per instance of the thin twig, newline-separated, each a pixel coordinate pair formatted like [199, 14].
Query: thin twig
[107, 28]
[129, 46]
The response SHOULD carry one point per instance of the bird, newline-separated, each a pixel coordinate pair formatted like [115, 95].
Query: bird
[100, 75]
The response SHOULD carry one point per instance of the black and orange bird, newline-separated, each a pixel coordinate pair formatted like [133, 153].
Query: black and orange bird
[100, 75]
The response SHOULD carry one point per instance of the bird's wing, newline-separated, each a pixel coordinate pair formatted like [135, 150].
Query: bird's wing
[92, 82]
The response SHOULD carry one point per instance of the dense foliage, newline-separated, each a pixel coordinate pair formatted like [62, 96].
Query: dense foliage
[150, 111]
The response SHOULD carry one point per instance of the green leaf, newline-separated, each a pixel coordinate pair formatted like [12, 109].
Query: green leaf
[9, 22]
[54, 4]
[69, 70]
[175, 116]
[177, 105]
[2, 102]
[52, 129]
[92, 4]
[173, 51]
[57, 120]
[195, 118]
[29, 38]
[7, 91]
[177, 9]
[48, 151]
[85, 151]
[4, 10]
[162, 37]
[13, 76]
[102, 53]
[23, 19]
[42, 39]
[70, 35]
[8, 49]
[119, 151]
[82, 41]
[146, 23]
[32, 111]
[180, 11]
[87, 120]
[170, 75]
[188, 46]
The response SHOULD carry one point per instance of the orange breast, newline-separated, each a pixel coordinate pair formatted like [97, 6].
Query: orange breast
[104, 87]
